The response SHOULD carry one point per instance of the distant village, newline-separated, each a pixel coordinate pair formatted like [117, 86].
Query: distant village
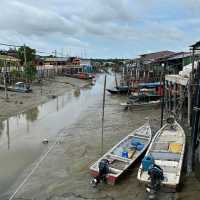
[147, 66]
[178, 68]
[166, 80]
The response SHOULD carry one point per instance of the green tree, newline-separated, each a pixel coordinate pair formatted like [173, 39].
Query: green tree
[30, 72]
[32, 114]
[15, 73]
[26, 52]
[27, 57]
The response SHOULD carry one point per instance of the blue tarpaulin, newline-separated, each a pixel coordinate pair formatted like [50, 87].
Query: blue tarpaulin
[149, 85]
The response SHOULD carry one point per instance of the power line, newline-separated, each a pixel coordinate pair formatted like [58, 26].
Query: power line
[38, 51]
[9, 45]
[18, 46]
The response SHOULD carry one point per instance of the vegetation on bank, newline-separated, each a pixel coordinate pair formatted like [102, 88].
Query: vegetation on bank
[20, 67]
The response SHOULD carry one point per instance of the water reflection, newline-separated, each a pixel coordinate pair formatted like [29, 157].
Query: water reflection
[57, 104]
[32, 114]
[1, 128]
[8, 132]
[77, 92]
[49, 118]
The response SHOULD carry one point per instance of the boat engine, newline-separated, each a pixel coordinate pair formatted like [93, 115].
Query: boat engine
[156, 176]
[103, 171]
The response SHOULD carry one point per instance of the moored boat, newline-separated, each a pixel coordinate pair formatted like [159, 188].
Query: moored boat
[140, 104]
[113, 91]
[123, 155]
[81, 75]
[19, 87]
[165, 153]
[119, 90]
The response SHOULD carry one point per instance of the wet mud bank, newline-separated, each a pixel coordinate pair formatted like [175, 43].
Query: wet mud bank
[73, 124]
[42, 93]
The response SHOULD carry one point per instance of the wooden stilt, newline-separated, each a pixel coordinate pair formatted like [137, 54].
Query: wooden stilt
[189, 103]
[170, 97]
[174, 96]
[181, 99]
[166, 96]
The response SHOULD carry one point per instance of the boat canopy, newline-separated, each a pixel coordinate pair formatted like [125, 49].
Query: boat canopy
[149, 85]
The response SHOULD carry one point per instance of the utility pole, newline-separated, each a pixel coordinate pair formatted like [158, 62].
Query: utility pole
[8, 132]
[163, 93]
[116, 83]
[25, 61]
[102, 128]
[5, 80]
[56, 63]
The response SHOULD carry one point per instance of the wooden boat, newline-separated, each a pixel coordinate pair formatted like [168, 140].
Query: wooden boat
[117, 162]
[113, 91]
[140, 104]
[167, 150]
[118, 90]
[80, 75]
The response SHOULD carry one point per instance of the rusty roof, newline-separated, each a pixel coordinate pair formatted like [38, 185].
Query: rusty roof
[157, 55]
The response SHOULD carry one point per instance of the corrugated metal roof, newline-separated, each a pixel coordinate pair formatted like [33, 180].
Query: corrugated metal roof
[9, 58]
[57, 59]
[157, 55]
[179, 55]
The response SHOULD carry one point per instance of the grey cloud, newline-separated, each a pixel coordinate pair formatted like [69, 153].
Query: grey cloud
[73, 22]
[27, 19]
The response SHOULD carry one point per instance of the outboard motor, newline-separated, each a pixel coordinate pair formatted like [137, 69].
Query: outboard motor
[103, 171]
[156, 176]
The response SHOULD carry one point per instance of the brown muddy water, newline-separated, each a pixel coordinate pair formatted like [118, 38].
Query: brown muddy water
[64, 174]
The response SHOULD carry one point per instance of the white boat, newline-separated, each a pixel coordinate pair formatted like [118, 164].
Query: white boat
[167, 150]
[139, 104]
[117, 162]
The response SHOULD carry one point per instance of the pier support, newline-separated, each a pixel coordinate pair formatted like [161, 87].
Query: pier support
[181, 98]
[166, 96]
[174, 96]
[170, 97]
[189, 103]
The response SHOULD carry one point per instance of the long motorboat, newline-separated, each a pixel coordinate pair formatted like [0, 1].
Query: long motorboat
[140, 104]
[119, 90]
[118, 159]
[166, 152]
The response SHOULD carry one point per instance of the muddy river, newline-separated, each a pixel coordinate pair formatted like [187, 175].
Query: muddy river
[74, 121]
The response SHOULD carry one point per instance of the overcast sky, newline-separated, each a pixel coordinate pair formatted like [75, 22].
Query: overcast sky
[101, 28]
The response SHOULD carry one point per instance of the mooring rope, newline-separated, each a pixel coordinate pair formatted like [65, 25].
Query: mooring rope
[36, 166]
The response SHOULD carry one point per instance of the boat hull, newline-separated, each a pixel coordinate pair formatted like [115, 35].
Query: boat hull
[118, 164]
[167, 149]
[117, 91]
[112, 180]
[136, 105]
